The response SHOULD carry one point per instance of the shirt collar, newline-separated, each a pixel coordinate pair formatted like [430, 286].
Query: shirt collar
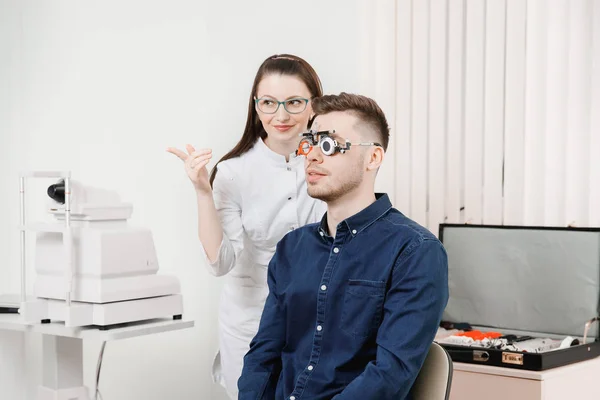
[274, 157]
[361, 220]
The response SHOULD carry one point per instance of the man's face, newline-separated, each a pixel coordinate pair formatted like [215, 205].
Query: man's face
[331, 177]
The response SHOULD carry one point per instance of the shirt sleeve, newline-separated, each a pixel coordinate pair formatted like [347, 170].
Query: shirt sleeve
[412, 312]
[227, 200]
[262, 363]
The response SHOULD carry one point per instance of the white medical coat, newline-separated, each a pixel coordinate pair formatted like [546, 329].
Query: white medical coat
[259, 198]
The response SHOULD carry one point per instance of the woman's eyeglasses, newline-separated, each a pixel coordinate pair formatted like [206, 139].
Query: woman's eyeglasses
[269, 105]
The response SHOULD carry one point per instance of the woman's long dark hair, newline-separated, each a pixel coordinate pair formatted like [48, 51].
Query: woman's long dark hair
[283, 64]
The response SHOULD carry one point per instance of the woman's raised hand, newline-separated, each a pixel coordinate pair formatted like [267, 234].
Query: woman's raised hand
[195, 162]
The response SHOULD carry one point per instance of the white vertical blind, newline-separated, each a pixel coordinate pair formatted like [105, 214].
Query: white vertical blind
[514, 113]
[419, 133]
[579, 75]
[376, 60]
[535, 112]
[455, 172]
[474, 110]
[557, 33]
[402, 130]
[496, 110]
[594, 136]
[438, 87]
[493, 130]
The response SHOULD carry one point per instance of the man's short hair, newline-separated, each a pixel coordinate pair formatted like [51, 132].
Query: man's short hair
[364, 108]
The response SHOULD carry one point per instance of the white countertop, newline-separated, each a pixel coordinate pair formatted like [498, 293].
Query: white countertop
[13, 322]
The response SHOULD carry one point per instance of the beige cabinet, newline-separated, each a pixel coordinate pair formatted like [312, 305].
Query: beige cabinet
[482, 382]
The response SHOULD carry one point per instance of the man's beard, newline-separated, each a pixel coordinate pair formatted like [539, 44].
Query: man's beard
[334, 191]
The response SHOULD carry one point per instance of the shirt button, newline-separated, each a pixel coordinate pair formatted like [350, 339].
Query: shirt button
[310, 367]
[336, 250]
[292, 397]
[289, 169]
[354, 231]
[321, 233]
[323, 287]
[319, 328]
[289, 198]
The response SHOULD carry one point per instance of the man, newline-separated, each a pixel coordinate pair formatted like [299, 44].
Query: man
[354, 301]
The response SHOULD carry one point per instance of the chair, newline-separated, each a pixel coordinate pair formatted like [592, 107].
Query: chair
[435, 377]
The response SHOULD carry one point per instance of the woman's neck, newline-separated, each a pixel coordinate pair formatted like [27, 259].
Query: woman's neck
[284, 148]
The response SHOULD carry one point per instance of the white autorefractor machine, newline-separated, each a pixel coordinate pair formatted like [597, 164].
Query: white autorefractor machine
[92, 270]
[92, 267]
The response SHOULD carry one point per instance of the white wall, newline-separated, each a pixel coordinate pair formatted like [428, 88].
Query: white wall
[102, 88]
[13, 370]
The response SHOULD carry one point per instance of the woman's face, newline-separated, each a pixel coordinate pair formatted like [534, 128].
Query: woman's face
[283, 125]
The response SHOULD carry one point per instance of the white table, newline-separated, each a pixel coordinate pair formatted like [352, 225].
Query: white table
[574, 381]
[62, 377]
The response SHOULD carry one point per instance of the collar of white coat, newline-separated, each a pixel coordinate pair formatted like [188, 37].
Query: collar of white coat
[277, 158]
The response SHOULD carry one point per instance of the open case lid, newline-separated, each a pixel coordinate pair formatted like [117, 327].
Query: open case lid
[536, 279]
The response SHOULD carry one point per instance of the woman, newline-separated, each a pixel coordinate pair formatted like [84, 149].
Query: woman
[255, 195]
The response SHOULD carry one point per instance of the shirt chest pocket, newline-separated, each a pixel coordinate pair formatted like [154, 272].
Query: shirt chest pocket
[362, 309]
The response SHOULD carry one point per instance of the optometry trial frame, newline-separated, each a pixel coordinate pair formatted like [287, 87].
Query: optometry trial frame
[329, 146]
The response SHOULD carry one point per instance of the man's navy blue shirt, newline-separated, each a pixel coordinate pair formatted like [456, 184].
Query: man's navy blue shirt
[350, 317]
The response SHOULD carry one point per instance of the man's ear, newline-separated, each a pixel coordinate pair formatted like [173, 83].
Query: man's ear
[376, 158]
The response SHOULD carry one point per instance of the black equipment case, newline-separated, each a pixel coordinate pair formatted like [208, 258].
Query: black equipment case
[542, 282]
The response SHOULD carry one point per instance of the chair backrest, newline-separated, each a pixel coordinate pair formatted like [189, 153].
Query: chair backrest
[435, 378]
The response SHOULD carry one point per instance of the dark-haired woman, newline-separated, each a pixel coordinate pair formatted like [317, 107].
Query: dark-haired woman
[254, 195]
